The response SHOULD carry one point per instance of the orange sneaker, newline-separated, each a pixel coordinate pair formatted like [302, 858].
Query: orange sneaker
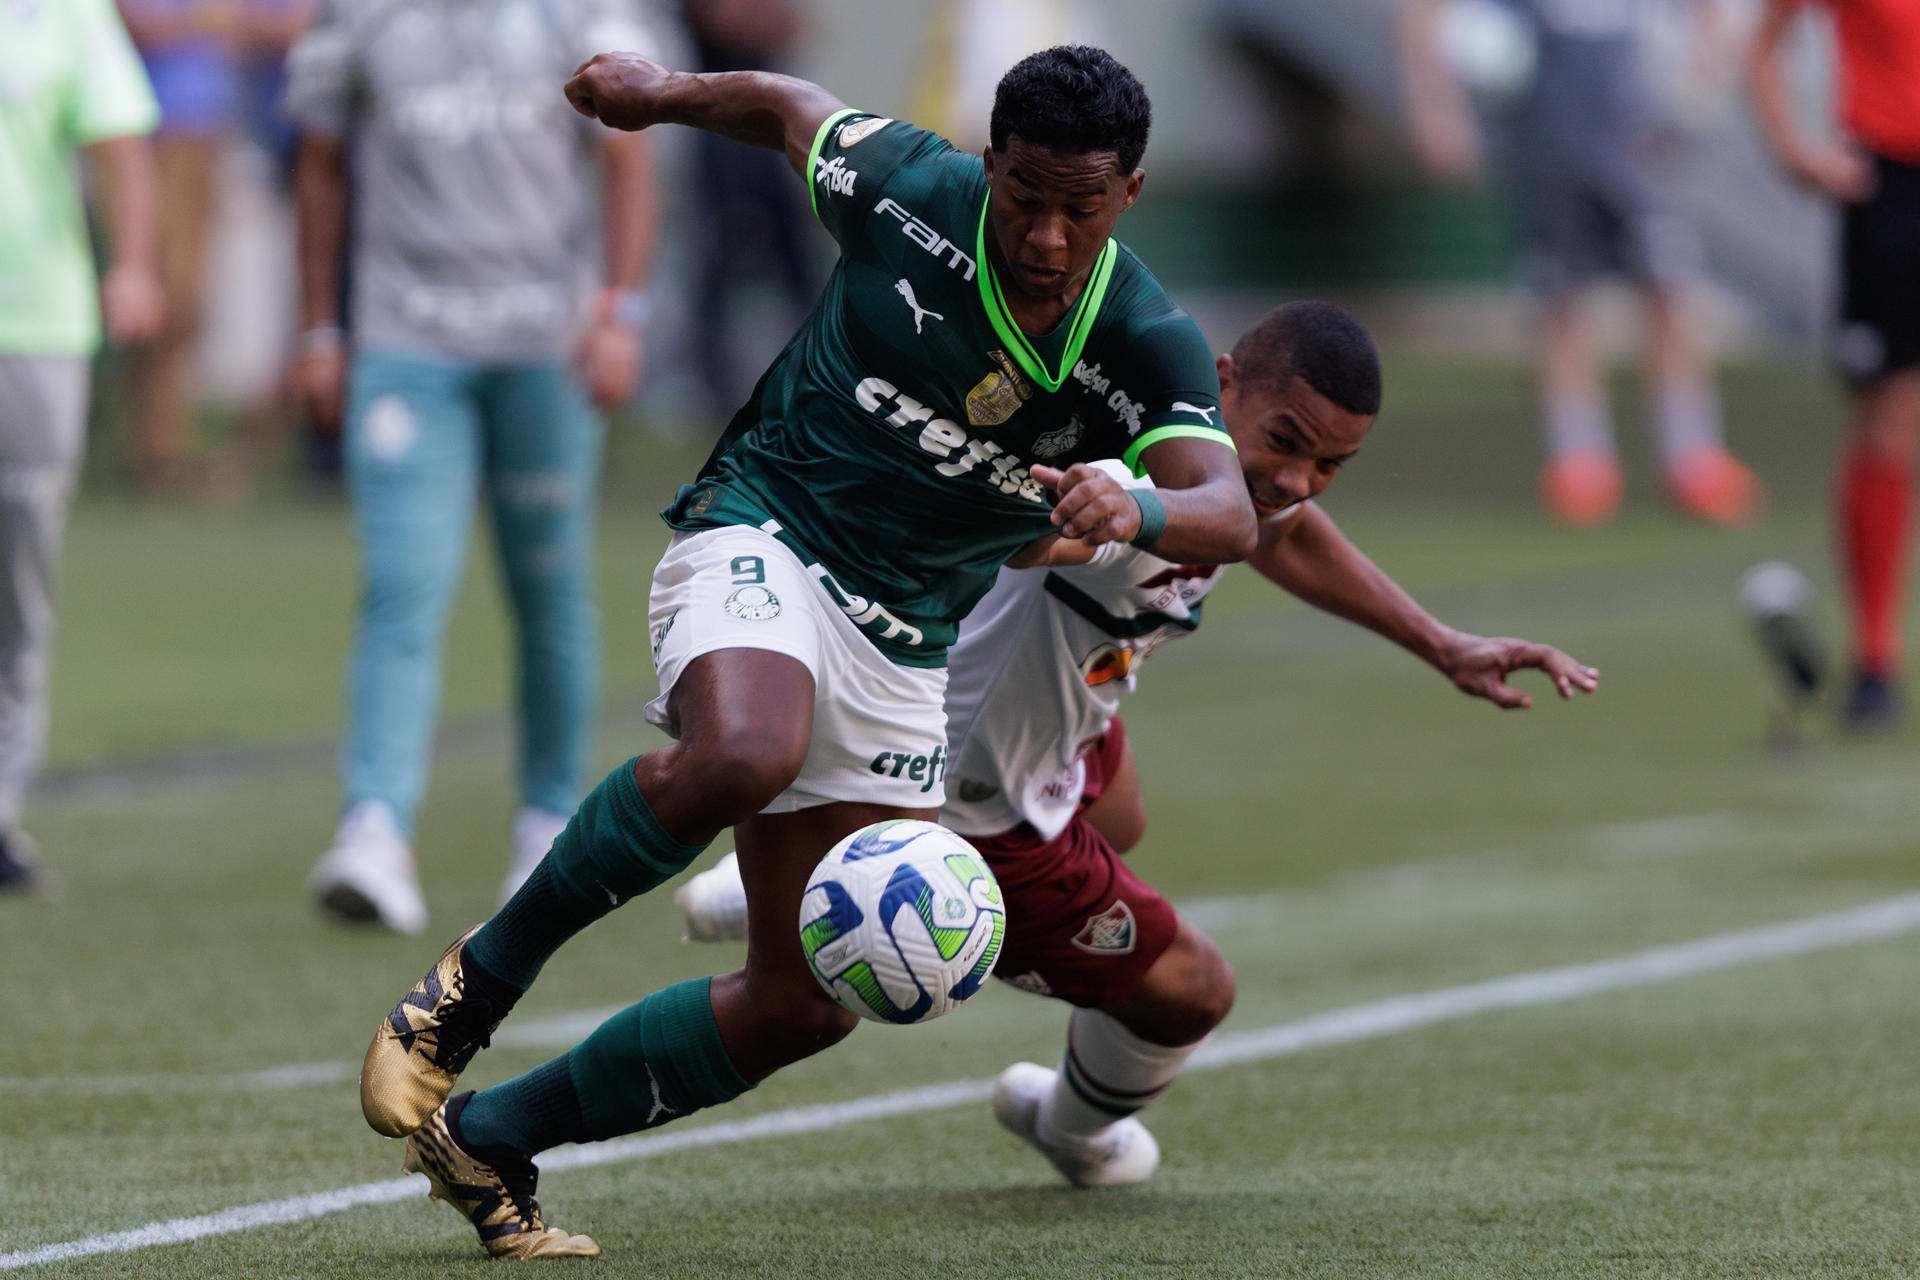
[1717, 487]
[1582, 489]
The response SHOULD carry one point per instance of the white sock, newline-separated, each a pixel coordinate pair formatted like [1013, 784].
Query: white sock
[1578, 423]
[1687, 420]
[1108, 1074]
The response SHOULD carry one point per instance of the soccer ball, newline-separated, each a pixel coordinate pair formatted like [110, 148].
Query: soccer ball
[902, 921]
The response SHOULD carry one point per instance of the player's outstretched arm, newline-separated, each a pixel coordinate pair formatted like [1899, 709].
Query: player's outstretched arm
[1199, 501]
[759, 108]
[1309, 557]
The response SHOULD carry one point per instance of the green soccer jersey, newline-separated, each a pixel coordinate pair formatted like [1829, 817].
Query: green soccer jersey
[889, 443]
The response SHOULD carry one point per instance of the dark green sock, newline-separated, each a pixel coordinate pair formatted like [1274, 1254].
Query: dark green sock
[613, 849]
[528, 1114]
[654, 1062]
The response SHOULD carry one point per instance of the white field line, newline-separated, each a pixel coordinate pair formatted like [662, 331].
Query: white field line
[1890, 918]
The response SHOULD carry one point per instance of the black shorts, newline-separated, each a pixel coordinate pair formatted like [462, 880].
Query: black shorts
[1880, 277]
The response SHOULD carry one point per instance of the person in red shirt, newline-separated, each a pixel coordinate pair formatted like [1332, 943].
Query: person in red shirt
[1873, 170]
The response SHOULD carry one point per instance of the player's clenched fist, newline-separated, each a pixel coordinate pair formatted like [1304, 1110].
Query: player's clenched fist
[620, 90]
[1090, 505]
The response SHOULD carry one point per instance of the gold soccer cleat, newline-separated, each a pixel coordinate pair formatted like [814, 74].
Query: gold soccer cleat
[424, 1044]
[496, 1198]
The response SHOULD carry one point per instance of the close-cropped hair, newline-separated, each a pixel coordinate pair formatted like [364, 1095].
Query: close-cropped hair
[1073, 98]
[1316, 341]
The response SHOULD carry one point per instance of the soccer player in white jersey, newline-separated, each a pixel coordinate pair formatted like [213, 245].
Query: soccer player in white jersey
[1044, 785]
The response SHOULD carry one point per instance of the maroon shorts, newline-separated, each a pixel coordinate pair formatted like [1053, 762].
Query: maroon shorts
[1081, 926]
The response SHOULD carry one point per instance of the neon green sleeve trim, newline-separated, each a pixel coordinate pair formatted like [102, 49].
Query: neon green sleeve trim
[813, 155]
[1132, 456]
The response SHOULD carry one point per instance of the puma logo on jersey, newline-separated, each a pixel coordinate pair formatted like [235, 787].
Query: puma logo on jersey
[920, 313]
[1205, 414]
[834, 175]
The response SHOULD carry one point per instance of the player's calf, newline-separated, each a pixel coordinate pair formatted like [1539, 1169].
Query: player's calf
[777, 1015]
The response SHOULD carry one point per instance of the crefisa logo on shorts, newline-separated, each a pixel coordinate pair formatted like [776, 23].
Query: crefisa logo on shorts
[753, 604]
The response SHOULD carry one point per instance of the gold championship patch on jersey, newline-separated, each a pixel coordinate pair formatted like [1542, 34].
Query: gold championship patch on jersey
[998, 395]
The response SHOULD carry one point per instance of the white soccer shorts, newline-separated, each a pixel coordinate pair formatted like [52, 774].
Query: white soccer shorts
[879, 730]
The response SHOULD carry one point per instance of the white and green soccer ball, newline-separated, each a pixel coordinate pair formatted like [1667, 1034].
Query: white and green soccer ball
[902, 921]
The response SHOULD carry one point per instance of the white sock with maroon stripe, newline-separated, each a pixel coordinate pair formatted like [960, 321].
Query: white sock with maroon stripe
[1108, 1074]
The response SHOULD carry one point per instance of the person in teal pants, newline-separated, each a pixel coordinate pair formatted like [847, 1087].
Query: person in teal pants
[475, 356]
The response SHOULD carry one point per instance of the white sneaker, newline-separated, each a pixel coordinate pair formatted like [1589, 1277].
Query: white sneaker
[714, 903]
[1123, 1152]
[534, 831]
[368, 874]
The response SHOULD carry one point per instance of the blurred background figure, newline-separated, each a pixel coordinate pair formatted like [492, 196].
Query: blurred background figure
[1872, 169]
[1562, 82]
[479, 350]
[190, 49]
[969, 44]
[69, 80]
[751, 225]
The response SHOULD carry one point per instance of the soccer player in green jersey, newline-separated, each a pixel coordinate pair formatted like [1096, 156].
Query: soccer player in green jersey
[983, 339]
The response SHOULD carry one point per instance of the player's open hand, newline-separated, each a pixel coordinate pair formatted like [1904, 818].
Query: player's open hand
[1089, 504]
[620, 90]
[1480, 666]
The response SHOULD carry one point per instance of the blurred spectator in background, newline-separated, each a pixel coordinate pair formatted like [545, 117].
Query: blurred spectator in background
[1873, 171]
[69, 79]
[751, 218]
[269, 28]
[189, 48]
[477, 342]
[1563, 82]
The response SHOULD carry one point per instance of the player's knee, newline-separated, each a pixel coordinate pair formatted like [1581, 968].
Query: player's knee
[1214, 992]
[1205, 989]
[740, 770]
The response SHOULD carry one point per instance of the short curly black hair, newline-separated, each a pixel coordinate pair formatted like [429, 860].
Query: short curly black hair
[1073, 98]
[1320, 342]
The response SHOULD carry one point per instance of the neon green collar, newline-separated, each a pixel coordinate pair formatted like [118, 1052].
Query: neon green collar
[1086, 311]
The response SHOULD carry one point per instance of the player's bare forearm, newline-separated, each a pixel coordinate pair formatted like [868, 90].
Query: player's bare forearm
[1313, 560]
[1766, 83]
[125, 168]
[759, 108]
[320, 214]
[1310, 558]
[1210, 518]
[132, 303]
[632, 199]
[1199, 499]
[1833, 167]
[1052, 551]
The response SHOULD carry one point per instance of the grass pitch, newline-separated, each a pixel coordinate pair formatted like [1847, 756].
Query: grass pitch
[1347, 826]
